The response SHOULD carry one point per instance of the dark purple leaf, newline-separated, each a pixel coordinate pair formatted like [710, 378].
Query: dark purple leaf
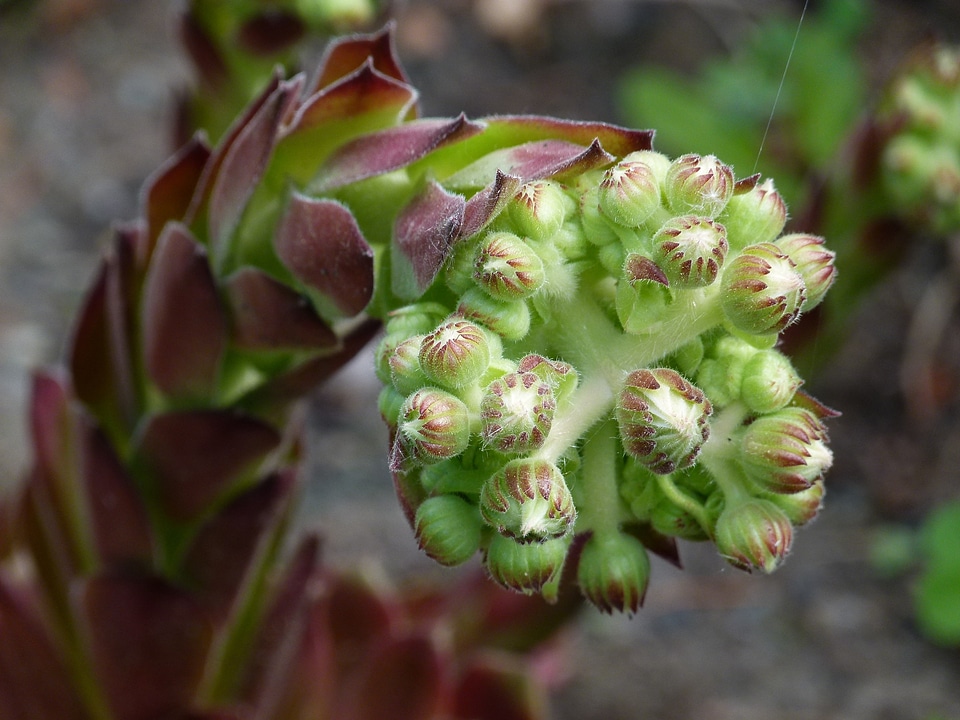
[387, 150]
[270, 32]
[211, 66]
[229, 544]
[268, 315]
[148, 641]
[195, 456]
[319, 241]
[498, 687]
[184, 325]
[360, 619]
[487, 204]
[34, 684]
[345, 55]
[423, 234]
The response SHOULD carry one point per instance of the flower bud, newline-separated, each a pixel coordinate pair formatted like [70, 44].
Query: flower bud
[517, 411]
[663, 419]
[762, 291]
[416, 319]
[539, 209]
[433, 425]
[800, 507]
[560, 376]
[613, 573]
[720, 375]
[642, 295]
[455, 354]
[510, 319]
[785, 452]
[528, 500]
[448, 529]
[389, 402]
[507, 268]
[814, 263]
[629, 193]
[598, 229]
[527, 567]
[690, 250]
[755, 216]
[754, 534]
[671, 520]
[769, 381]
[405, 372]
[381, 355]
[698, 185]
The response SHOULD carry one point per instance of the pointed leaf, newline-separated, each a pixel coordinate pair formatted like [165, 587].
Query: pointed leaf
[387, 150]
[148, 642]
[320, 242]
[344, 55]
[487, 204]
[195, 456]
[423, 234]
[184, 325]
[498, 687]
[268, 315]
[270, 32]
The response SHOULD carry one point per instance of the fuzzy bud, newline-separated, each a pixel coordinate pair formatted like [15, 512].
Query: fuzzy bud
[698, 185]
[448, 529]
[416, 319]
[769, 381]
[663, 418]
[527, 567]
[507, 268]
[433, 425]
[560, 376]
[539, 209]
[510, 319]
[814, 264]
[801, 507]
[405, 372]
[456, 353]
[690, 250]
[629, 193]
[755, 216]
[785, 452]
[754, 534]
[528, 500]
[762, 290]
[517, 411]
[613, 573]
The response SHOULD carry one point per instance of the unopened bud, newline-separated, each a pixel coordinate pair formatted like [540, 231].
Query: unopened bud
[762, 290]
[416, 319]
[663, 419]
[559, 375]
[814, 263]
[433, 425]
[539, 209]
[517, 412]
[527, 567]
[690, 250]
[769, 381]
[629, 193]
[801, 507]
[528, 500]
[455, 354]
[405, 372]
[507, 268]
[698, 185]
[754, 534]
[613, 573]
[510, 319]
[785, 452]
[448, 529]
[642, 295]
[755, 216]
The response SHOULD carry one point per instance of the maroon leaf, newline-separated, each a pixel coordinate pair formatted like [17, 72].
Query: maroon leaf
[423, 234]
[516, 129]
[166, 194]
[210, 64]
[319, 241]
[345, 55]
[148, 642]
[487, 204]
[270, 32]
[34, 684]
[359, 619]
[185, 329]
[498, 687]
[268, 315]
[233, 541]
[194, 456]
[387, 150]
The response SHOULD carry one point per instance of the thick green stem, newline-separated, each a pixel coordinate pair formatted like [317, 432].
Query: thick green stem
[719, 453]
[599, 505]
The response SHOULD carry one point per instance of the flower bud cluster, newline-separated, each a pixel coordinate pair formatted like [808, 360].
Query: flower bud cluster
[597, 361]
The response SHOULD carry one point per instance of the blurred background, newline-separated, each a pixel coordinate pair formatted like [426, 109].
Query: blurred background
[87, 98]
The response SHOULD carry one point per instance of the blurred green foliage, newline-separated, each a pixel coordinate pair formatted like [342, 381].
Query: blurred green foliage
[938, 589]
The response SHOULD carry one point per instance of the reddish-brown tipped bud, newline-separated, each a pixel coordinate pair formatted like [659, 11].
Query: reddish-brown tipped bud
[754, 534]
[507, 268]
[614, 572]
[629, 193]
[698, 185]
[433, 425]
[690, 250]
[785, 452]
[455, 354]
[528, 500]
[814, 263]
[762, 291]
[517, 411]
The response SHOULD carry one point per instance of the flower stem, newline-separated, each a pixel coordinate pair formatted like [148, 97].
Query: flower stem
[599, 502]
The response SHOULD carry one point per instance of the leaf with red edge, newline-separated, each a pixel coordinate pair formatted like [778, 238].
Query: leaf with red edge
[118, 519]
[344, 55]
[402, 680]
[268, 315]
[270, 32]
[236, 540]
[487, 204]
[319, 241]
[423, 233]
[195, 456]
[148, 643]
[184, 325]
[34, 684]
[498, 687]
[387, 150]
[167, 193]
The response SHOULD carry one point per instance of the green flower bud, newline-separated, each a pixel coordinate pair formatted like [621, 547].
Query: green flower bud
[405, 372]
[629, 193]
[381, 355]
[416, 319]
[517, 411]
[753, 217]
[528, 567]
[510, 319]
[814, 264]
[785, 452]
[762, 292]
[597, 228]
[720, 375]
[769, 381]
[433, 425]
[507, 267]
[698, 185]
[690, 250]
[670, 519]
[456, 353]
[800, 507]
[754, 534]
[448, 529]
[658, 163]
[560, 376]
[389, 402]
[528, 500]
[539, 209]
[663, 418]
[613, 573]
